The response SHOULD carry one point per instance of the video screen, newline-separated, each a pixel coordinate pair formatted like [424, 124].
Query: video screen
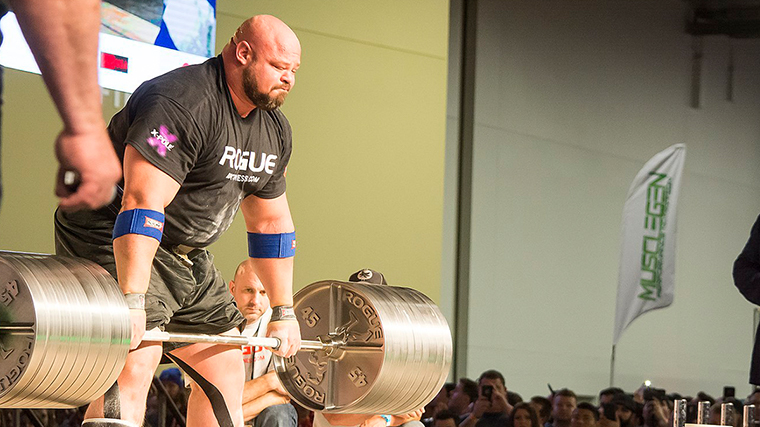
[139, 39]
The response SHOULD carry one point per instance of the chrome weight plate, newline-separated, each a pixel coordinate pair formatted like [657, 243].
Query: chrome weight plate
[422, 358]
[110, 327]
[48, 308]
[389, 352]
[73, 312]
[78, 324]
[17, 337]
[338, 377]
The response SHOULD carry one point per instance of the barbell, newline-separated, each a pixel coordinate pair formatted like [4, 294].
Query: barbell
[65, 334]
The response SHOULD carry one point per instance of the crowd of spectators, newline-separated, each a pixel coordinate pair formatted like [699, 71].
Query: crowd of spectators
[486, 402]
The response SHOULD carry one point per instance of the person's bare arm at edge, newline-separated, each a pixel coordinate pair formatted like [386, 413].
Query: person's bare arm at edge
[145, 187]
[272, 216]
[257, 387]
[261, 393]
[253, 408]
[63, 36]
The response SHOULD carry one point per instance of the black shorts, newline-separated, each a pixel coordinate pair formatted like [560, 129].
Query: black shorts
[181, 297]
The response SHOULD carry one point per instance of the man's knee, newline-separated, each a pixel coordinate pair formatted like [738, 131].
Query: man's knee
[283, 415]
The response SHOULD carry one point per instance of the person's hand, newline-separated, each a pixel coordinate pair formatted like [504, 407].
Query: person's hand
[660, 413]
[397, 420]
[275, 384]
[606, 422]
[91, 157]
[638, 395]
[499, 401]
[374, 421]
[289, 334]
[480, 407]
[137, 317]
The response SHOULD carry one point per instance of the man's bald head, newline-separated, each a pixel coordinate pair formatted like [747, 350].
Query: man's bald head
[250, 296]
[260, 63]
[266, 32]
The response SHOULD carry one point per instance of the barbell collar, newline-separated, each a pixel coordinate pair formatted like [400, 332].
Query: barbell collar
[273, 343]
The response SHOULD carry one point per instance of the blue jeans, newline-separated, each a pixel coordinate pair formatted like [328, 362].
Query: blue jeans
[283, 415]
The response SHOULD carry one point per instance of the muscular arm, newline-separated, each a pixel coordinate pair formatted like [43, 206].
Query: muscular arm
[271, 216]
[258, 387]
[254, 407]
[349, 419]
[63, 36]
[145, 187]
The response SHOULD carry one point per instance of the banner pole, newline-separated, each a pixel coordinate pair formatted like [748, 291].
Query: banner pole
[612, 367]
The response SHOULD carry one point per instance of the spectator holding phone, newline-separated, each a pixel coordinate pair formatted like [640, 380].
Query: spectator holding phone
[606, 395]
[656, 413]
[492, 408]
[627, 412]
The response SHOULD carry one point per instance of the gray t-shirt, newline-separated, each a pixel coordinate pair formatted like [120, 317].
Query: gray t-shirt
[185, 123]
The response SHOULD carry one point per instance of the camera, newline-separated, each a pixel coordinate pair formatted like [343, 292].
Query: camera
[651, 393]
[487, 391]
[729, 391]
[609, 409]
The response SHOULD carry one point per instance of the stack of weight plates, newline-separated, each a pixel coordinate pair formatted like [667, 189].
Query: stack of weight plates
[395, 355]
[64, 331]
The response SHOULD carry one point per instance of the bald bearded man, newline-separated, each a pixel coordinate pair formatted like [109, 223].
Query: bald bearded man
[265, 401]
[196, 144]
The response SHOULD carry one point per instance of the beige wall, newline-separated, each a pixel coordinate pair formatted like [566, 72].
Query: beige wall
[572, 99]
[365, 182]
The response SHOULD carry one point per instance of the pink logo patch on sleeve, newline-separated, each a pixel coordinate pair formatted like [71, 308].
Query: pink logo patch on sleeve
[162, 140]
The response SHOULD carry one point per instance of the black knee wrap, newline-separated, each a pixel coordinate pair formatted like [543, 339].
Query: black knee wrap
[111, 403]
[218, 405]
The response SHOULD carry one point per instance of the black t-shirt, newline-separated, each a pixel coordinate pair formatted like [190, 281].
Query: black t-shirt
[185, 123]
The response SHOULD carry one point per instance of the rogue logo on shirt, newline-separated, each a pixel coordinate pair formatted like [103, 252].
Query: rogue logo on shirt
[242, 160]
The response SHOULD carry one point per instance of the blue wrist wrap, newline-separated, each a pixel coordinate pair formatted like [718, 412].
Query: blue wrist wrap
[139, 221]
[271, 245]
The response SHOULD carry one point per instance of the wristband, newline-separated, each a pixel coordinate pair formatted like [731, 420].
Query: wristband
[262, 245]
[135, 301]
[139, 221]
[283, 312]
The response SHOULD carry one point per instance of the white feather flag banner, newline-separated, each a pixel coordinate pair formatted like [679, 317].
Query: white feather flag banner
[648, 247]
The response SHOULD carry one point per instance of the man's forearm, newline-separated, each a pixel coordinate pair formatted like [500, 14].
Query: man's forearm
[255, 406]
[276, 274]
[346, 419]
[271, 216]
[63, 35]
[134, 255]
[257, 387]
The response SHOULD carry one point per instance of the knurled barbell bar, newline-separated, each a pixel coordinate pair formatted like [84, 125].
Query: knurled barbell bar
[65, 332]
